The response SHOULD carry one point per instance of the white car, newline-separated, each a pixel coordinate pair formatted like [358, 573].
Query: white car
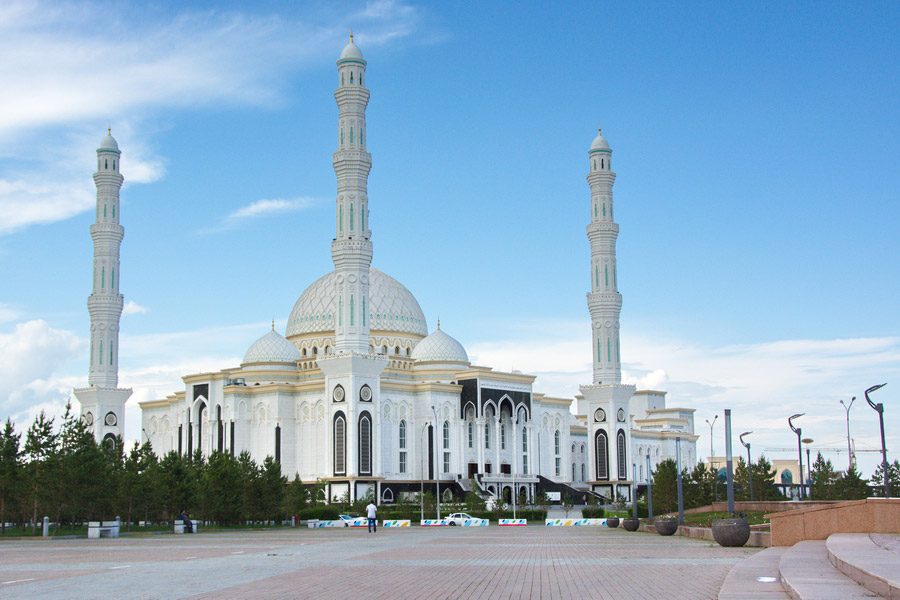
[458, 519]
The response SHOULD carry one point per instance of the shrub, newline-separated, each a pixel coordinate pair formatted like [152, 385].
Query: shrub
[592, 512]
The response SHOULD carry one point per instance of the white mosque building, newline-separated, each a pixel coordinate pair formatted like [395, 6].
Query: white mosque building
[359, 395]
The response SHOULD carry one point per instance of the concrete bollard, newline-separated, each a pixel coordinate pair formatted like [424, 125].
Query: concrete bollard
[46, 531]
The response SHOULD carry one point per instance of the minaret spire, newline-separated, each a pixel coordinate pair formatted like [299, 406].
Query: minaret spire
[351, 249]
[604, 299]
[103, 403]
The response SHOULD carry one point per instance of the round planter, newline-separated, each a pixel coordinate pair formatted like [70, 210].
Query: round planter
[666, 526]
[612, 522]
[631, 523]
[731, 532]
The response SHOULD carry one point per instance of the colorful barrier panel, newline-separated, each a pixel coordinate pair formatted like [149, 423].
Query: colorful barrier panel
[359, 522]
[476, 523]
[312, 524]
[513, 523]
[395, 523]
[574, 522]
[434, 523]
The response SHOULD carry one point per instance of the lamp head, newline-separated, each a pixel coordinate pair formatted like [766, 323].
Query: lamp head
[878, 407]
[791, 418]
[741, 437]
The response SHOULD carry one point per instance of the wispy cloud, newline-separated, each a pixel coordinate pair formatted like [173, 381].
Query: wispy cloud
[85, 68]
[259, 210]
[133, 308]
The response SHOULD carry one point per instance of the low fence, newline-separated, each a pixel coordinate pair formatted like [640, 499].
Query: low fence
[574, 522]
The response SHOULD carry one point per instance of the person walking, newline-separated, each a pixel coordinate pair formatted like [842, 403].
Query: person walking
[371, 514]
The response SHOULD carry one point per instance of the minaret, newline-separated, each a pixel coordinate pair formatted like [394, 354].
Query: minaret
[351, 249]
[352, 372]
[604, 300]
[103, 403]
[606, 401]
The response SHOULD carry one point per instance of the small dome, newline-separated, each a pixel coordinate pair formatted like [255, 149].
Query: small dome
[599, 142]
[440, 347]
[271, 348]
[351, 50]
[108, 143]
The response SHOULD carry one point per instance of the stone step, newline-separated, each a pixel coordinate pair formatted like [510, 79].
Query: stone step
[807, 575]
[876, 567]
[755, 578]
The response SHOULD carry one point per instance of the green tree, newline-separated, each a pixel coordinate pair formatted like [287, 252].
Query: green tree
[698, 487]
[10, 471]
[850, 486]
[474, 502]
[40, 449]
[877, 480]
[271, 489]
[567, 503]
[665, 487]
[221, 489]
[764, 480]
[296, 497]
[175, 485]
[250, 490]
[741, 480]
[823, 479]
[136, 489]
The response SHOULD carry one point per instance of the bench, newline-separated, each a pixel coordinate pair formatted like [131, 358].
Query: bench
[99, 529]
[179, 525]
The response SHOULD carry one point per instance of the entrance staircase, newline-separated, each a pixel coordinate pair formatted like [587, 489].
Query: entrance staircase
[846, 566]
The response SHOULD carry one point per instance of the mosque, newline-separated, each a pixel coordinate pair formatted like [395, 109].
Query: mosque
[361, 395]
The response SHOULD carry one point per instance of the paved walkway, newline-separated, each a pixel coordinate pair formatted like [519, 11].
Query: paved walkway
[458, 562]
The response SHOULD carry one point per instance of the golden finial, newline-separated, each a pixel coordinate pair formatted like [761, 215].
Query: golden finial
[351, 35]
[439, 323]
[109, 130]
[273, 324]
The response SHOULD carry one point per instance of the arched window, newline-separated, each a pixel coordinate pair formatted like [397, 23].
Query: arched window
[103, 278]
[503, 434]
[620, 450]
[387, 495]
[397, 350]
[351, 211]
[112, 280]
[362, 220]
[351, 77]
[556, 442]
[365, 444]
[352, 303]
[340, 438]
[583, 478]
[101, 352]
[487, 433]
[104, 211]
[471, 432]
[446, 435]
[602, 444]
[573, 471]
[602, 164]
[351, 128]
[402, 429]
[604, 209]
[110, 353]
[524, 439]
[606, 274]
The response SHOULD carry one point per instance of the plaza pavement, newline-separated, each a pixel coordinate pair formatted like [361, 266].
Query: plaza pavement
[440, 563]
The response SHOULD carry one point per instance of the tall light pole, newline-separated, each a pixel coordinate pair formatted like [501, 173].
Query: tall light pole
[808, 441]
[849, 449]
[712, 454]
[749, 461]
[884, 463]
[799, 432]
[422, 487]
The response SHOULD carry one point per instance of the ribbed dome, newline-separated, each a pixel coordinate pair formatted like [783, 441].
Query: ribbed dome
[599, 142]
[351, 50]
[391, 307]
[109, 143]
[440, 347]
[271, 348]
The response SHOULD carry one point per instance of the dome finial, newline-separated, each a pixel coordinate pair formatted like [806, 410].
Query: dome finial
[109, 130]
[273, 324]
[439, 323]
[351, 35]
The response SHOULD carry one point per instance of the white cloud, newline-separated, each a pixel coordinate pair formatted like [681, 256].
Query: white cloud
[7, 313]
[85, 68]
[30, 357]
[259, 210]
[133, 308]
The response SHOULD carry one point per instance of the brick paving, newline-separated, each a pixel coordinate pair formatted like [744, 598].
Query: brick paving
[446, 563]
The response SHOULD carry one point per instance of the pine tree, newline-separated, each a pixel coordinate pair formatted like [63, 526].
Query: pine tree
[877, 480]
[741, 480]
[823, 479]
[665, 487]
[250, 492]
[764, 480]
[221, 488]
[40, 448]
[10, 471]
[272, 488]
[850, 486]
[296, 497]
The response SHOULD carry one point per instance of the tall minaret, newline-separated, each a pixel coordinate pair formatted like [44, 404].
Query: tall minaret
[604, 300]
[606, 402]
[351, 249]
[352, 372]
[103, 403]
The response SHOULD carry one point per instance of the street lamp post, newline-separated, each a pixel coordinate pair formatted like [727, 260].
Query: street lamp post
[798, 431]
[849, 449]
[712, 454]
[808, 441]
[884, 462]
[749, 461]
[422, 486]
[649, 492]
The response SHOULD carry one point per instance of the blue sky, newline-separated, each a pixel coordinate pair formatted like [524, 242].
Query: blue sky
[756, 194]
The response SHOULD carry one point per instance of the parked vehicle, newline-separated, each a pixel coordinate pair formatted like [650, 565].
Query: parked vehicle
[458, 519]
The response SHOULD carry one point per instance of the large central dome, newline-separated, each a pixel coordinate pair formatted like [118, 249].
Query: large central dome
[391, 307]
